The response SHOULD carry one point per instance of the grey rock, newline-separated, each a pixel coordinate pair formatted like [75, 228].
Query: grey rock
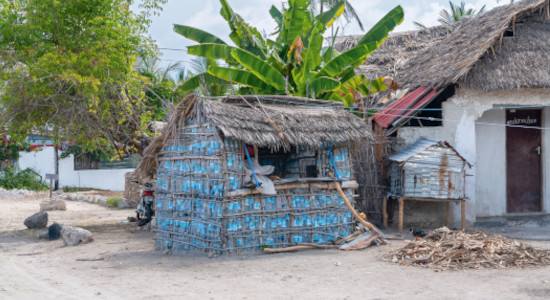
[38, 220]
[54, 231]
[44, 235]
[73, 236]
[123, 204]
[53, 204]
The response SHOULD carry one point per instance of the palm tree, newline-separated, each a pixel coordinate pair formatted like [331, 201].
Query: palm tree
[214, 85]
[161, 88]
[456, 13]
[350, 13]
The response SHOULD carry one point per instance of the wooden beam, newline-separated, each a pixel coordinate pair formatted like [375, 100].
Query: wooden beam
[401, 206]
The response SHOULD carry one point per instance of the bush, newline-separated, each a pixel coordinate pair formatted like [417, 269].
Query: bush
[112, 201]
[73, 189]
[26, 179]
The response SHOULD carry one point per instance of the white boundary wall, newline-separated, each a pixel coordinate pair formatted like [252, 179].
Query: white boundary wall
[43, 162]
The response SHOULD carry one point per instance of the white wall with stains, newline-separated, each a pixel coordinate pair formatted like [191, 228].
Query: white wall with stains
[477, 133]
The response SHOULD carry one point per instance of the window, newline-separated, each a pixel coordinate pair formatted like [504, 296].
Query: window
[291, 164]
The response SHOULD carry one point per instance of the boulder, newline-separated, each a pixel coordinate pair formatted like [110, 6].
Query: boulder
[73, 236]
[38, 220]
[44, 235]
[54, 231]
[53, 204]
[123, 204]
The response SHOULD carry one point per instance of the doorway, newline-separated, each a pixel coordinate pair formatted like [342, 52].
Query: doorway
[523, 161]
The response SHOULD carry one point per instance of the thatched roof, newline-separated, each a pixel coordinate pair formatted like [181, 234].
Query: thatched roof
[266, 121]
[389, 59]
[476, 51]
[300, 125]
[522, 61]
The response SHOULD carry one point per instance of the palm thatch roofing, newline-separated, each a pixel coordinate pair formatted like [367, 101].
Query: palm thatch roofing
[504, 48]
[390, 58]
[265, 121]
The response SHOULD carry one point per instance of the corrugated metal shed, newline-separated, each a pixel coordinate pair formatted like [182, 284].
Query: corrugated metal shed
[429, 168]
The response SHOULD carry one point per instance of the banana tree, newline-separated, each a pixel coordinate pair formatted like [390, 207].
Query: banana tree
[295, 62]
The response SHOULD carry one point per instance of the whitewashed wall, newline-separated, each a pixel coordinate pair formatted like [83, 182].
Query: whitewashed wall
[43, 162]
[484, 146]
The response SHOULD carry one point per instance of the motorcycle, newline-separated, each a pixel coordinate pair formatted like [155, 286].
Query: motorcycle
[145, 210]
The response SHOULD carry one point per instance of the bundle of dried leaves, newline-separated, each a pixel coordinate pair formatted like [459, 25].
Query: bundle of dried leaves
[448, 249]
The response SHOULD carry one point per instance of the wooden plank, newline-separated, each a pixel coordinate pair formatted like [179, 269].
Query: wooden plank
[463, 208]
[401, 206]
[448, 212]
[385, 211]
[352, 184]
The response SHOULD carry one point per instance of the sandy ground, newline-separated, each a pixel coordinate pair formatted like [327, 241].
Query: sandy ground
[121, 264]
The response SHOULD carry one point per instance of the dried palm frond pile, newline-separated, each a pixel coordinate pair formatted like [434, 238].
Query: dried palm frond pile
[449, 249]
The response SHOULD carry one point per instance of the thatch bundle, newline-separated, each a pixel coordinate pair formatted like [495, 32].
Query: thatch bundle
[478, 52]
[452, 249]
[275, 122]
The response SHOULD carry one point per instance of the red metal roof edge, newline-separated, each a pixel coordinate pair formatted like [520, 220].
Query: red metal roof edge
[399, 108]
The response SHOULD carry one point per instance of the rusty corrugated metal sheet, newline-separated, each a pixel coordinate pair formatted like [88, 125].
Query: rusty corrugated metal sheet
[403, 107]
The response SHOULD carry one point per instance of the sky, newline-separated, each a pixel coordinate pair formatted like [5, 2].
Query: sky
[204, 14]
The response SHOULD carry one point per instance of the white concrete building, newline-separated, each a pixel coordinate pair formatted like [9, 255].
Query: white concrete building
[482, 85]
[43, 161]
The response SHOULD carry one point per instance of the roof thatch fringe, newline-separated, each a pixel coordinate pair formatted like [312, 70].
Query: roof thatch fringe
[452, 58]
[311, 125]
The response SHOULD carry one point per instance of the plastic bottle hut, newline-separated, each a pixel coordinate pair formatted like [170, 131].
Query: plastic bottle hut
[213, 193]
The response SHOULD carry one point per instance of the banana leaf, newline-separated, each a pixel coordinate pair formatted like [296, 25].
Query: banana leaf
[277, 16]
[242, 34]
[260, 68]
[379, 32]
[311, 59]
[213, 51]
[197, 35]
[192, 82]
[323, 84]
[347, 60]
[297, 19]
[243, 77]
[328, 17]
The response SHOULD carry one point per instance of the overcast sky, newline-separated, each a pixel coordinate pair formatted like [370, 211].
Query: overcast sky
[204, 14]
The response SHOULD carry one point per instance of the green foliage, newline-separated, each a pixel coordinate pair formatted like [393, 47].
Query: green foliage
[67, 69]
[456, 12]
[295, 62]
[26, 179]
[108, 152]
[73, 189]
[112, 202]
[448, 17]
[9, 149]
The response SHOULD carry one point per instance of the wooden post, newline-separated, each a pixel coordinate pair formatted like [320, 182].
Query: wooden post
[448, 211]
[385, 211]
[463, 207]
[51, 180]
[401, 207]
[51, 177]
